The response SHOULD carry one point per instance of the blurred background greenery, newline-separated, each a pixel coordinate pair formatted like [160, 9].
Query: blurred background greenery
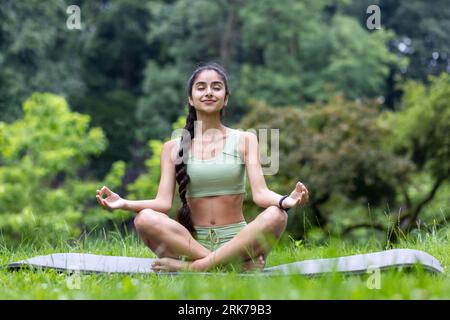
[364, 115]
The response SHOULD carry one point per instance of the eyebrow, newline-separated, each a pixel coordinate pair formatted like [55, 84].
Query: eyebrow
[204, 83]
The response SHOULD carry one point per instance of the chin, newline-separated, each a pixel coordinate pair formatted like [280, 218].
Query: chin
[209, 110]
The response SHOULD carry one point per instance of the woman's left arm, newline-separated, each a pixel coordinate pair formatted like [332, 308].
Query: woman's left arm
[262, 196]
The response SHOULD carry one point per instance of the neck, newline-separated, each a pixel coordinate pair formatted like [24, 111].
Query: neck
[209, 124]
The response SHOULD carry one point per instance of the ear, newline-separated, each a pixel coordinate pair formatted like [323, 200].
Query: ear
[225, 101]
[190, 101]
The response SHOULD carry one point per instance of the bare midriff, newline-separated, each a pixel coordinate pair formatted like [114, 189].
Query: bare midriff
[213, 211]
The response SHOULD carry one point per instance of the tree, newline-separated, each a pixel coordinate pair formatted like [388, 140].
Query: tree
[422, 133]
[37, 53]
[164, 100]
[420, 29]
[113, 54]
[41, 194]
[335, 150]
[306, 55]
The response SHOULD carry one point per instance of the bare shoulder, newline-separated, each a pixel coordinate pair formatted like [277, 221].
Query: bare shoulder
[169, 145]
[247, 142]
[169, 149]
[247, 137]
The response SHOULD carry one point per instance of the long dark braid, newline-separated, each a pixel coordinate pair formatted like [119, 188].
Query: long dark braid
[182, 177]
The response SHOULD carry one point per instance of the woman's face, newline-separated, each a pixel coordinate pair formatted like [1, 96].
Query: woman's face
[208, 92]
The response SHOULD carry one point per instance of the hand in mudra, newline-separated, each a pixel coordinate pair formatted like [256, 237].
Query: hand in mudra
[112, 200]
[298, 197]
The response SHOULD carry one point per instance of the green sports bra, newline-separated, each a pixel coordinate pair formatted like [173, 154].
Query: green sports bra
[221, 175]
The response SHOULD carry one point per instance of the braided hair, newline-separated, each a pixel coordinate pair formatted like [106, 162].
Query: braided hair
[181, 175]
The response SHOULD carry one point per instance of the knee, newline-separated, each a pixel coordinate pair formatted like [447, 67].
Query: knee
[276, 217]
[146, 220]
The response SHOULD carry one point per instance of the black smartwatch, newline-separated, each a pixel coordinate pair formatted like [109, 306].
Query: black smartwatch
[281, 201]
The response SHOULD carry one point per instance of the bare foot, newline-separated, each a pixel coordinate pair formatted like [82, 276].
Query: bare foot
[173, 265]
[254, 264]
[170, 264]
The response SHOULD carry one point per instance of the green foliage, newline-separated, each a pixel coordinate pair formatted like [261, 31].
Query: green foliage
[332, 148]
[162, 102]
[41, 194]
[98, 68]
[146, 185]
[420, 133]
[114, 113]
[360, 62]
[422, 125]
[114, 46]
[309, 57]
[180, 123]
[335, 150]
[420, 32]
[37, 53]
[114, 178]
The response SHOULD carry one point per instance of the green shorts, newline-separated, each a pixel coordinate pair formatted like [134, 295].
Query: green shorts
[213, 238]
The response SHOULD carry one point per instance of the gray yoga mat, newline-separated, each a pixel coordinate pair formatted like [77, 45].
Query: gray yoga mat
[360, 263]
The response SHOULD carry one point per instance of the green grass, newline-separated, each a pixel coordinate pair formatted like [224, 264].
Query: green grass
[394, 284]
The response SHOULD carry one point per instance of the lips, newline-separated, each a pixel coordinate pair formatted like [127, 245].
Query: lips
[209, 101]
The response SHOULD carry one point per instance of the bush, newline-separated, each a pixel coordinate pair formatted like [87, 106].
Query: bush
[41, 193]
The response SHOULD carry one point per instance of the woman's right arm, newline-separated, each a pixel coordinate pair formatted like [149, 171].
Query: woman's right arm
[138, 205]
[166, 189]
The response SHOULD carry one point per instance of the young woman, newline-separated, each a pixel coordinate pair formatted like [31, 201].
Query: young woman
[210, 163]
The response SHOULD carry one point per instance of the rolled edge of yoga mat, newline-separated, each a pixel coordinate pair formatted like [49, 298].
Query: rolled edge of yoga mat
[361, 263]
[85, 262]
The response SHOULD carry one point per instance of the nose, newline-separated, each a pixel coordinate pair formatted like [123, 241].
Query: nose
[208, 91]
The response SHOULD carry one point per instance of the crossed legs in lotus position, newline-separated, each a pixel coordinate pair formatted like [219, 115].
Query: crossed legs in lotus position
[169, 240]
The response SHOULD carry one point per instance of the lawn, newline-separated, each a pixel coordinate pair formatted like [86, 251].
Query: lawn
[394, 284]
